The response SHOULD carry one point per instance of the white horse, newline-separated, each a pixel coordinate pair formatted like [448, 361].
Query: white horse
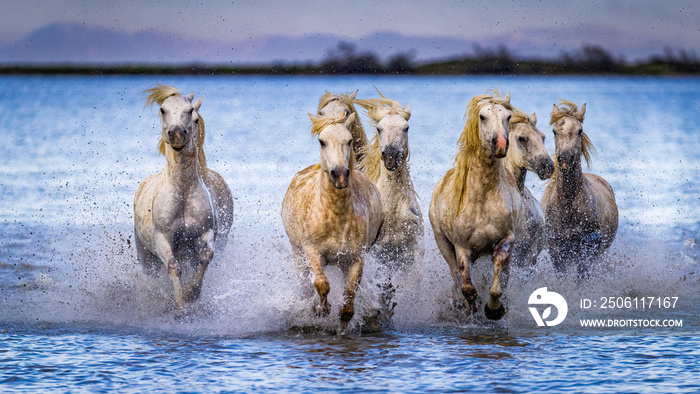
[184, 212]
[580, 208]
[476, 206]
[332, 214]
[527, 152]
[385, 162]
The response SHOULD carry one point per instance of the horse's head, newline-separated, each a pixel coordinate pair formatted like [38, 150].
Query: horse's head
[392, 134]
[569, 139]
[528, 150]
[494, 125]
[336, 146]
[180, 120]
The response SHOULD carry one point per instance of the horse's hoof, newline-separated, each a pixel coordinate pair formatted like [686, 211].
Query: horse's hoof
[495, 314]
[183, 316]
[346, 313]
[469, 293]
[322, 309]
[191, 293]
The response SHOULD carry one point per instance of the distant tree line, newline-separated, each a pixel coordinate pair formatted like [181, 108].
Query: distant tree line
[345, 59]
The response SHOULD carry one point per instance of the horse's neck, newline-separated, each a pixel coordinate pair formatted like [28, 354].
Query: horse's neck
[338, 200]
[484, 173]
[570, 182]
[519, 173]
[181, 169]
[395, 183]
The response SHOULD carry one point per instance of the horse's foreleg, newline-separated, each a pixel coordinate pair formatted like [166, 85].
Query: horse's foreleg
[353, 276]
[464, 259]
[447, 249]
[205, 253]
[323, 287]
[501, 256]
[165, 253]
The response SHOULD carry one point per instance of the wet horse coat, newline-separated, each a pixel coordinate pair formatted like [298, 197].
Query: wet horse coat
[332, 214]
[580, 209]
[184, 212]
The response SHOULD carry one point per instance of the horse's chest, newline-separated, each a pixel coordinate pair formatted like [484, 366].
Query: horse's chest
[185, 214]
[339, 233]
[481, 227]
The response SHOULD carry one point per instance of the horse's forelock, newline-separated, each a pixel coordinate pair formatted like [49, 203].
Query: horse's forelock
[565, 108]
[159, 93]
[318, 123]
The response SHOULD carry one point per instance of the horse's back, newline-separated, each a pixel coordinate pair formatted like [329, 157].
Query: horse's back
[222, 200]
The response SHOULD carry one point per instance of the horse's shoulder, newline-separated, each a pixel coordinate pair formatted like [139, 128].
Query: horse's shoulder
[598, 182]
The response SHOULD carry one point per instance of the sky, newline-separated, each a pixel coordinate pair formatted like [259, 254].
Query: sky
[653, 24]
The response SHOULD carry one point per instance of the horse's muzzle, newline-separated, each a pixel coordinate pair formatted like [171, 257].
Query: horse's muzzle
[391, 156]
[499, 146]
[340, 177]
[177, 138]
[545, 168]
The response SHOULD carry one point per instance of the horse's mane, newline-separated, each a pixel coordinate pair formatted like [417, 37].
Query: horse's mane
[376, 109]
[157, 95]
[569, 108]
[469, 142]
[357, 131]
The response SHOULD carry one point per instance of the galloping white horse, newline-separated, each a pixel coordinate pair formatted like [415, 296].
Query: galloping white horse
[184, 212]
[580, 208]
[385, 162]
[526, 152]
[476, 205]
[343, 105]
[332, 214]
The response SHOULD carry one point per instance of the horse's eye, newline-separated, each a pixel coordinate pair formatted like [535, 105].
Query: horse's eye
[508, 118]
[196, 120]
[378, 130]
[580, 131]
[349, 142]
[323, 144]
[162, 111]
[482, 117]
[522, 138]
[405, 130]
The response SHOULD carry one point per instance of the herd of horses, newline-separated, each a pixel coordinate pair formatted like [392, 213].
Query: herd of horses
[359, 198]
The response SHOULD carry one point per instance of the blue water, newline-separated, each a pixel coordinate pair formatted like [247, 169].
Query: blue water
[77, 313]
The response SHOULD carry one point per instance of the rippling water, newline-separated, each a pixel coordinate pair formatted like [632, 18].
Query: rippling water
[76, 312]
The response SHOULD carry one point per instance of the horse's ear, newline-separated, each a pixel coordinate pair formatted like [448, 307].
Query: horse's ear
[198, 103]
[555, 109]
[507, 97]
[349, 121]
[353, 94]
[581, 112]
[408, 110]
[533, 119]
[190, 97]
[328, 93]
